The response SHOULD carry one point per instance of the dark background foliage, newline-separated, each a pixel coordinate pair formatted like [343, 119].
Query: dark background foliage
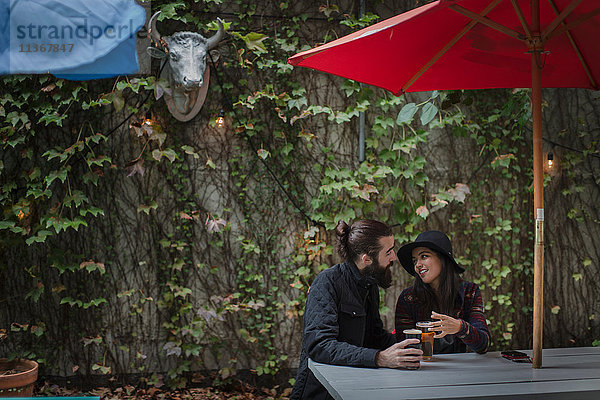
[168, 248]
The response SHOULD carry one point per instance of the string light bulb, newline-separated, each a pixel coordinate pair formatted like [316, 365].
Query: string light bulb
[220, 121]
[552, 164]
[148, 119]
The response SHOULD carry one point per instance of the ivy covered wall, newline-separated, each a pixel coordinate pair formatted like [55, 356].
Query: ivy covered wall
[167, 248]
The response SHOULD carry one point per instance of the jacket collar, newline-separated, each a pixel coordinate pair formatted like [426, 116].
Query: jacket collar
[361, 280]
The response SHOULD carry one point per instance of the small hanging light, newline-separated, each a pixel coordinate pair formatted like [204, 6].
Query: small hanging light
[552, 164]
[148, 119]
[220, 121]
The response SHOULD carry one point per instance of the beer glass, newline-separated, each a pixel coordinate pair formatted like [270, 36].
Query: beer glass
[426, 339]
[413, 334]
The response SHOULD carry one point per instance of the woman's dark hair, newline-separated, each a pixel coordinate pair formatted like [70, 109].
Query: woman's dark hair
[448, 290]
[360, 238]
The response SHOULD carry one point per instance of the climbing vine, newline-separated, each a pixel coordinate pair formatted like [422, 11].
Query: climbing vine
[185, 251]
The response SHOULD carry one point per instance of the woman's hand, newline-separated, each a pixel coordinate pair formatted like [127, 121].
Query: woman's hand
[446, 325]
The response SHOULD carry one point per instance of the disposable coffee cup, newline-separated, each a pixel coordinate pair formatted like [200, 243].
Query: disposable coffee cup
[426, 339]
[413, 334]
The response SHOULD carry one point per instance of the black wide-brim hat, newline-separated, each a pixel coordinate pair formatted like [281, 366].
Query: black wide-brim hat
[434, 240]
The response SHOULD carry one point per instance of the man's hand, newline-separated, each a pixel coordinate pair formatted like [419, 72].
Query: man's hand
[398, 356]
[446, 325]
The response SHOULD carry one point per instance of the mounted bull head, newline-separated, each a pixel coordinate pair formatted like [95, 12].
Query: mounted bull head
[186, 70]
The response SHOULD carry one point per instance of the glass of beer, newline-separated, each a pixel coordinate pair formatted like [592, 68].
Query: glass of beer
[413, 334]
[426, 339]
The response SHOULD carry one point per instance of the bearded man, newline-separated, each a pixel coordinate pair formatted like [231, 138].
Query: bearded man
[342, 325]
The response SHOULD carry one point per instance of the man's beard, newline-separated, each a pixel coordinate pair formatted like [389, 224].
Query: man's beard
[381, 275]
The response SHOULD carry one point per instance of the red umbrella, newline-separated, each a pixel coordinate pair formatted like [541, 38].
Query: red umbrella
[478, 44]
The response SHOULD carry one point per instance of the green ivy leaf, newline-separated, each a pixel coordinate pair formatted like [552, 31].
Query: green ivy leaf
[99, 160]
[35, 294]
[170, 154]
[160, 87]
[91, 266]
[52, 153]
[116, 98]
[158, 137]
[210, 163]
[147, 208]
[407, 113]
[262, 153]
[422, 212]
[297, 103]
[40, 237]
[77, 197]
[52, 118]
[103, 369]
[122, 85]
[34, 173]
[91, 210]
[428, 113]
[75, 223]
[6, 224]
[94, 303]
[190, 150]
[60, 174]
[287, 148]
[340, 117]
[71, 302]
[254, 41]
[169, 10]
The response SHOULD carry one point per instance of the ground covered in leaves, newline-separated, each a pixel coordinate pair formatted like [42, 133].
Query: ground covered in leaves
[240, 391]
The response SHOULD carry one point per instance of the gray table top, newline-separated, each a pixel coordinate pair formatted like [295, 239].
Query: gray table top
[567, 373]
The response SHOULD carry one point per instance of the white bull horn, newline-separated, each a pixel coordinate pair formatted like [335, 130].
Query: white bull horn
[154, 33]
[216, 38]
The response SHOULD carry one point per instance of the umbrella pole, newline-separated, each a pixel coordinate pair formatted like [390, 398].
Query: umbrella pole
[538, 201]
[538, 188]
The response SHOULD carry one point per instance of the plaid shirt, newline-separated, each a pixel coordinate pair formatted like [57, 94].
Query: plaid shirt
[473, 333]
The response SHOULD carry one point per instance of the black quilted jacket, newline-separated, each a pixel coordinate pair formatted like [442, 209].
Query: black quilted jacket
[341, 326]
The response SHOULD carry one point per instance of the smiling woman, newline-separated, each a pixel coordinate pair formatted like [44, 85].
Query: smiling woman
[428, 266]
[440, 294]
